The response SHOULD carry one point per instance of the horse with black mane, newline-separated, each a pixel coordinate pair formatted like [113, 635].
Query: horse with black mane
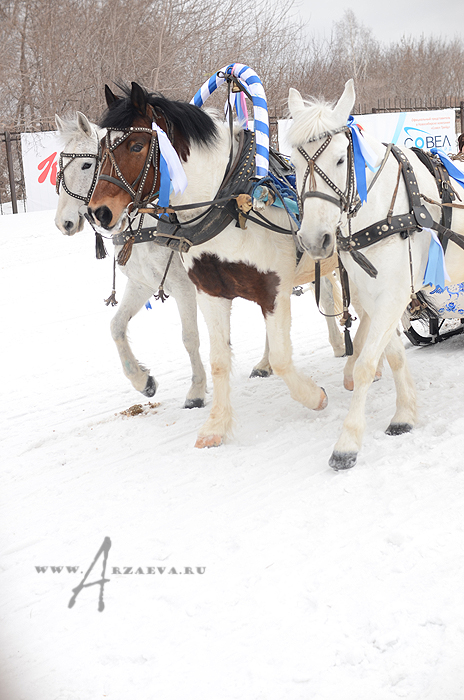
[244, 259]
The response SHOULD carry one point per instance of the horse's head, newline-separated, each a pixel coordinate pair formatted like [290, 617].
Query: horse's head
[130, 172]
[322, 158]
[79, 162]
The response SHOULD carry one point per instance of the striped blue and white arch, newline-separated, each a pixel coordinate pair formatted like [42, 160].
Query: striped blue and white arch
[253, 84]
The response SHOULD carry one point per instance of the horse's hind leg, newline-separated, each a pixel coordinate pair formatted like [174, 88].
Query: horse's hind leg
[405, 415]
[135, 296]
[188, 312]
[216, 311]
[332, 304]
[263, 368]
[302, 388]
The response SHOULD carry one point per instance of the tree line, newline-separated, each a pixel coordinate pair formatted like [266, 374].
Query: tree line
[56, 55]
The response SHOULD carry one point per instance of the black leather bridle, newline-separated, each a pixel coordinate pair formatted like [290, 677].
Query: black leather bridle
[343, 200]
[134, 189]
[60, 178]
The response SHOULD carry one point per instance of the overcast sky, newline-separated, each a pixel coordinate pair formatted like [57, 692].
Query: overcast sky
[389, 20]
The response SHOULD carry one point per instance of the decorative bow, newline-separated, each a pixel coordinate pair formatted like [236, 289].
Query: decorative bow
[171, 170]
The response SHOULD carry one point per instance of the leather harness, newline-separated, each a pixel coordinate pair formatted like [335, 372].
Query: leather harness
[418, 217]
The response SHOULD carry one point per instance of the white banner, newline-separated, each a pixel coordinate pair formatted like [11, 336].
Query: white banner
[40, 153]
[433, 129]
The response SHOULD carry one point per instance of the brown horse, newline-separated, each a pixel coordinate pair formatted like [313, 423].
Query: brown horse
[252, 262]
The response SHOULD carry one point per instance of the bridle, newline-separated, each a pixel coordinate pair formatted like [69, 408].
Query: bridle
[60, 178]
[344, 200]
[134, 189]
[348, 202]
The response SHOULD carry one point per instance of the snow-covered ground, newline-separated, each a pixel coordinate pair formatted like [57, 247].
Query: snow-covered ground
[257, 573]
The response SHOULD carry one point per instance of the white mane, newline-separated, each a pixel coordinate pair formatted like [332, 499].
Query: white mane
[316, 118]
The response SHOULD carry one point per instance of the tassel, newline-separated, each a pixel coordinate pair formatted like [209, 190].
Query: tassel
[111, 299]
[364, 263]
[161, 295]
[100, 250]
[126, 251]
[346, 321]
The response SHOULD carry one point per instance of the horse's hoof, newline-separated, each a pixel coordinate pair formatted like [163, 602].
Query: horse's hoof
[398, 428]
[348, 384]
[151, 387]
[323, 402]
[194, 403]
[342, 460]
[208, 441]
[260, 373]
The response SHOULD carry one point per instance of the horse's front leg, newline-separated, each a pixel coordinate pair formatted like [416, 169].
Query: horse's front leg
[358, 343]
[379, 337]
[216, 311]
[187, 305]
[134, 298]
[302, 388]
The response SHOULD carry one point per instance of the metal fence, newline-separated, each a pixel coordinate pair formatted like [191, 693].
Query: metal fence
[12, 185]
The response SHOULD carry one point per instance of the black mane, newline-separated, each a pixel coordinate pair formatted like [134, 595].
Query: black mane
[192, 123]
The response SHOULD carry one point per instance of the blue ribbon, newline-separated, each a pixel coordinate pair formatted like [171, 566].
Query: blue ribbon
[449, 165]
[240, 109]
[359, 160]
[165, 183]
[435, 271]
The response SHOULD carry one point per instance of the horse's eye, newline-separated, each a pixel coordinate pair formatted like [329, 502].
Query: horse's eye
[86, 166]
[341, 161]
[137, 147]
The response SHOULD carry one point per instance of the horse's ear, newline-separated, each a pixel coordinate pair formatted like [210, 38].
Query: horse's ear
[84, 124]
[295, 101]
[59, 123]
[345, 104]
[110, 96]
[138, 99]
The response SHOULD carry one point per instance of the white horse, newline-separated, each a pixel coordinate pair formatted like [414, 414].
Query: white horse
[324, 175]
[253, 262]
[144, 270]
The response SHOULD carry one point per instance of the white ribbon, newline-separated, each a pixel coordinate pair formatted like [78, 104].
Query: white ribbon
[176, 171]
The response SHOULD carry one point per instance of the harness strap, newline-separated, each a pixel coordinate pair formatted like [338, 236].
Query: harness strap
[404, 224]
[181, 236]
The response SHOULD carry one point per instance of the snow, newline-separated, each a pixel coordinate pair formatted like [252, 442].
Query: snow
[317, 585]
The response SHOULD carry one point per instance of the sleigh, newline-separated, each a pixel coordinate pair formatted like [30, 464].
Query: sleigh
[441, 313]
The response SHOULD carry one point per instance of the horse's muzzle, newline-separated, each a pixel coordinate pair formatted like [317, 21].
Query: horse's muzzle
[102, 216]
[319, 246]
